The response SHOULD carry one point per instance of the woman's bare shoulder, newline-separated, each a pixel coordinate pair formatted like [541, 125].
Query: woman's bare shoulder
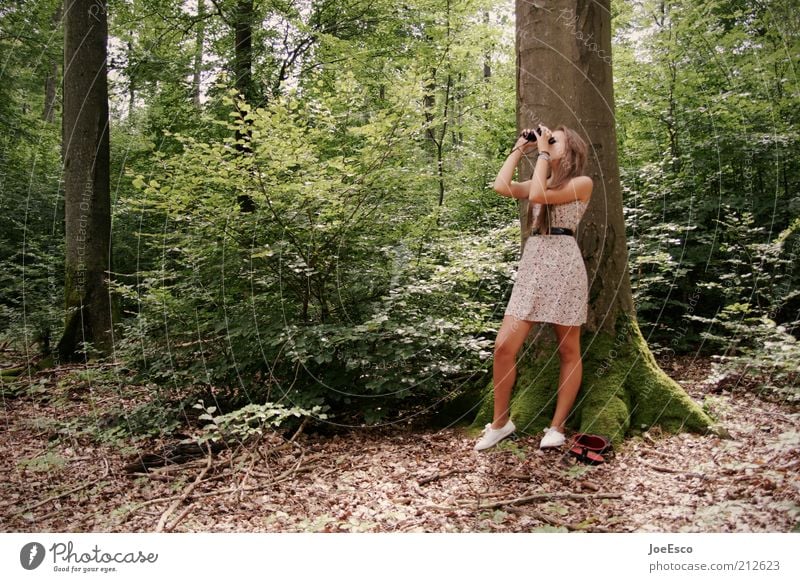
[583, 187]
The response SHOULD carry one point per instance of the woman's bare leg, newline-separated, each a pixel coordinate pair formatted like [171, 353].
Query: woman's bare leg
[569, 381]
[510, 338]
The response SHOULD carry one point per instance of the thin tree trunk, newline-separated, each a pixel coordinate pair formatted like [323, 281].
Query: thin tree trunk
[429, 105]
[48, 113]
[440, 141]
[86, 179]
[50, 82]
[243, 50]
[430, 113]
[131, 84]
[243, 69]
[198, 52]
[487, 60]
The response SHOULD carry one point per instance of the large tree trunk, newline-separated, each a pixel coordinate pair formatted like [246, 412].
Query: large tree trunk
[86, 179]
[564, 76]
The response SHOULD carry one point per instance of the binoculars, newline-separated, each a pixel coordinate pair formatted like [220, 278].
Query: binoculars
[531, 136]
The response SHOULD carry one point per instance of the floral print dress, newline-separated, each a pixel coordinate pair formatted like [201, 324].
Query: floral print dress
[551, 282]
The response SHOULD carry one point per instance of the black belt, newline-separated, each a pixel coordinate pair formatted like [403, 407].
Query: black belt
[556, 230]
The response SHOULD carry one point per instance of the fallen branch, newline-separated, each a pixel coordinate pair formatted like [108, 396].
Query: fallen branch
[529, 499]
[142, 504]
[152, 477]
[656, 451]
[188, 491]
[155, 472]
[285, 445]
[179, 519]
[551, 520]
[181, 453]
[547, 496]
[70, 492]
[444, 475]
[548, 519]
[283, 477]
[288, 472]
[668, 470]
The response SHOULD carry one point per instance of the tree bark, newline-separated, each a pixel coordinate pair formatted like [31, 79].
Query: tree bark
[86, 179]
[564, 76]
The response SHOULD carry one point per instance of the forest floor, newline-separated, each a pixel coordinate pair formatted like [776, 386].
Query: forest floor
[402, 479]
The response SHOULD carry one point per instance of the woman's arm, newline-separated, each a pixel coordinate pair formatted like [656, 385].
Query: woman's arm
[541, 169]
[503, 183]
[538, 182]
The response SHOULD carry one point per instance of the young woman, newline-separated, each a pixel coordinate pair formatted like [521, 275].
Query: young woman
[551, 283]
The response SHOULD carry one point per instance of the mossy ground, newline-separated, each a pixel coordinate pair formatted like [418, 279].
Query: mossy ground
[623, 390]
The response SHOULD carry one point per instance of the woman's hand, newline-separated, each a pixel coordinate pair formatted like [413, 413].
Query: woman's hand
[524, 145]
[543, 139]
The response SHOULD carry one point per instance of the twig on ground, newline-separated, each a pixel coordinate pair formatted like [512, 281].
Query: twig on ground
[299, 430]
[656, 451]
[246, 476]
[437, 475]
[188, 491]
[172, 468]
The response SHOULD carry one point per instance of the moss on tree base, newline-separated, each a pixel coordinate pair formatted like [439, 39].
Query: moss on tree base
[622, 389]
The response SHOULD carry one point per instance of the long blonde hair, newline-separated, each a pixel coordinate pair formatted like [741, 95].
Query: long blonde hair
[572, 164]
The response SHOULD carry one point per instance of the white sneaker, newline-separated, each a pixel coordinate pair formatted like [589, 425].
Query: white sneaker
[492, 436]
[552, 438]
